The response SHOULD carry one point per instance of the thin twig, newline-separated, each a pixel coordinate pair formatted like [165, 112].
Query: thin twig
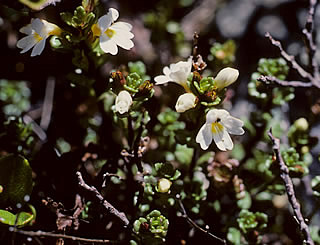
[136, 144]
[49, 234]
[105, 203]
[284, 174]
[314, 76]
[310, 44]
[195, 225]
[195, 47]
[296, 84]
[47, 104]
[289, 58]
[130, 131]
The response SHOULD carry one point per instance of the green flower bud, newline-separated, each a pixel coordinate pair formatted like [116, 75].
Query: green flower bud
[301, 124]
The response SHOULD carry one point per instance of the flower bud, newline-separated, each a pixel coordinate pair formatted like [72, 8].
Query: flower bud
[123, 102]
[226, 77]
[118, 78]
[185, 102]
[301, 124]
[164, 185]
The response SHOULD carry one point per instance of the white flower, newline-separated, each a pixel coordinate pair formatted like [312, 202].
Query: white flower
[38, 32]
[185, 102]
[219, 124]
[226, 77]
[112, 34]
[123, 102]
[177, 73]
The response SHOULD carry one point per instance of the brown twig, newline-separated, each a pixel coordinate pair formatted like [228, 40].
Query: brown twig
[195, 47]
[49, 234]
[195, 225]
[289, 58]
[310, 44]
[112, 210]
[284, 174]
[270, 79]
[314, 76]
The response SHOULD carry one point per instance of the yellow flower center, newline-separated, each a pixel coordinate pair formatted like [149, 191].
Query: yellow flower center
[56, 32]
[109, 33]
[216, 127]
[95, 30]
[37, 37]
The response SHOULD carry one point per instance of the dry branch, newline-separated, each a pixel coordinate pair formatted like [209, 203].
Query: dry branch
[112, 210]
[55, 235]
[284, 174]
[313, 77]
[195, 225]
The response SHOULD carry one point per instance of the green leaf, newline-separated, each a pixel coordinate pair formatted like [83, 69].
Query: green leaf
[16, 179]
[234, 235]
[315, 184]
[37, 4]
[245, 203]
[183, 154]
[66, 17]
[20, 219]
[249, 221]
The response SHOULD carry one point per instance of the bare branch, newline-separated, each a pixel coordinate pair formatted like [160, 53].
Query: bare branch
[289, 58]
[284, 174]
[49, 234]
[296, 84]
[195, 225]
[310, 44]
[314, 76]
[105, 203]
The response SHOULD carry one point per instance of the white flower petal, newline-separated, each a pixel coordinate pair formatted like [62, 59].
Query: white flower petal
[122, 40]
[122, 32]
[179, 76]
[228, 144]
[178, 73]
[166, 71]
[161, 79]
[38, 48]
[233, 125]
[122, 26]
[218, 137]
[123, 102]
[215, 114]
[26, 29]
[108, 45]
[104, 22]
[37, 25]
[26, 43]
[185, 102]
[114, 13]
[204, 136]
[226, 77]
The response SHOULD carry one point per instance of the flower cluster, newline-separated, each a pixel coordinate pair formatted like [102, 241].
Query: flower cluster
[219, 123]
